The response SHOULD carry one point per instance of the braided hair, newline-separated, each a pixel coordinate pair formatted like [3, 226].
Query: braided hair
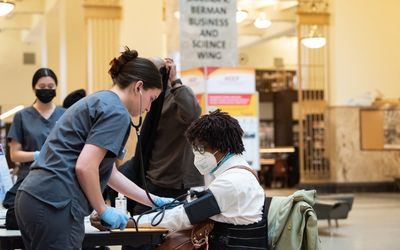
[219, 130]
[129, 67]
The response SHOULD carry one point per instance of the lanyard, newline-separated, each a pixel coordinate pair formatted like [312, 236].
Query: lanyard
[226, 157]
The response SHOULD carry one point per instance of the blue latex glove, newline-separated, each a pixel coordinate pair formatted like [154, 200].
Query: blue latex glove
[114, 218]
[36, 155]
[160, 201]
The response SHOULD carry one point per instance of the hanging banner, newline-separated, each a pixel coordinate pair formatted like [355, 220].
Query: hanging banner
[208, 35]
[5, 177]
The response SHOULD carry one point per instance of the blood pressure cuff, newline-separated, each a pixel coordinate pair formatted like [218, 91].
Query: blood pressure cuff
[202, 208]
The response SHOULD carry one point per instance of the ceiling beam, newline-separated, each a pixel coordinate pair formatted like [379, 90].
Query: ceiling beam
[16, 22]
[29, 7]
[289, 31]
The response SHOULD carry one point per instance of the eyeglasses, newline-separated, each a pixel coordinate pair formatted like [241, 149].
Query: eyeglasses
[199, 148]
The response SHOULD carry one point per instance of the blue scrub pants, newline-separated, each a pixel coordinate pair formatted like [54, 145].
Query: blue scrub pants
[46, 227]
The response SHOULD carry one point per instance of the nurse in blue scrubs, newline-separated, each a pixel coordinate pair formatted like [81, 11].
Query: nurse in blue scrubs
[77, 161]
[32, 125]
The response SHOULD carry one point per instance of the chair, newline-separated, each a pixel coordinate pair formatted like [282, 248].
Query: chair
[279, 172]
[333, 207]
[349, 198]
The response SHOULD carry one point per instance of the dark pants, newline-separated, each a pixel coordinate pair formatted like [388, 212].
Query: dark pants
[46, 227]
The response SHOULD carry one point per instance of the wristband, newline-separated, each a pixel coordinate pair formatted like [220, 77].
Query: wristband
[36, 155]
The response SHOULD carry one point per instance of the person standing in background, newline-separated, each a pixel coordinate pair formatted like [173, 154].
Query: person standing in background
[32, 125]
[169, 170]
[77, 161]
[29, 131]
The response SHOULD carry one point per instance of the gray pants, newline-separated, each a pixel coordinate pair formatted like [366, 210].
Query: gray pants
[46, 227]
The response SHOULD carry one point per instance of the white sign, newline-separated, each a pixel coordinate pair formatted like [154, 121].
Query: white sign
[208, 35]
[5, 177]
[251, 140]
[231, 80]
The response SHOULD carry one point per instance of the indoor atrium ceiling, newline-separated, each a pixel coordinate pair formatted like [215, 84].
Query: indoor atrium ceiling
[27, 15]
[282, 14]
[24, 18]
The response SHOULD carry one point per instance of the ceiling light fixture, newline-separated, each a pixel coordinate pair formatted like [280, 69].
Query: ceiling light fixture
[262, 22]
[6, 7]
[241, 15]
[314, 40]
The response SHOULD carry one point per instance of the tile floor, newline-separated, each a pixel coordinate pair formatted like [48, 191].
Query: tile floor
[373, 223]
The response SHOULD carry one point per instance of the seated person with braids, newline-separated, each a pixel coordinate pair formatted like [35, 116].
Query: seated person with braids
[233, 200]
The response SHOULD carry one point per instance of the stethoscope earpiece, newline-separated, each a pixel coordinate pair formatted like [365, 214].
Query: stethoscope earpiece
[137, 127]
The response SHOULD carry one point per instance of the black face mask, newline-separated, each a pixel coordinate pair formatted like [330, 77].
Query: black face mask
[45, 95]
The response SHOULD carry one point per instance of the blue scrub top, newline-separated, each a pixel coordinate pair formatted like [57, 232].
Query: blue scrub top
[99, 119]
[30, 129]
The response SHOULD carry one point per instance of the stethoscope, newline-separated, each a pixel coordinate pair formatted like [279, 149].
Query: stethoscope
[139, 145]
[137, 127]
[161, 209]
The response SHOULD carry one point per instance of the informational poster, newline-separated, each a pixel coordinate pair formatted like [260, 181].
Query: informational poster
[233, 91]
[244, 107]
[231, 80]
[208, 33]
[234, 104]
[5, 177]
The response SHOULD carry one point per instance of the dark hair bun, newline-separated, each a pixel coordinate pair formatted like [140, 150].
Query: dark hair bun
[129, 55]
[125, 57]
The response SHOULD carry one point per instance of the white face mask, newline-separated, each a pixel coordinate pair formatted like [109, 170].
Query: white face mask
[204, 162]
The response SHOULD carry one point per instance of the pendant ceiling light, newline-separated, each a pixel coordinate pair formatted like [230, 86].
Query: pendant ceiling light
[314, 40]
[262, 22]
[6, 7]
